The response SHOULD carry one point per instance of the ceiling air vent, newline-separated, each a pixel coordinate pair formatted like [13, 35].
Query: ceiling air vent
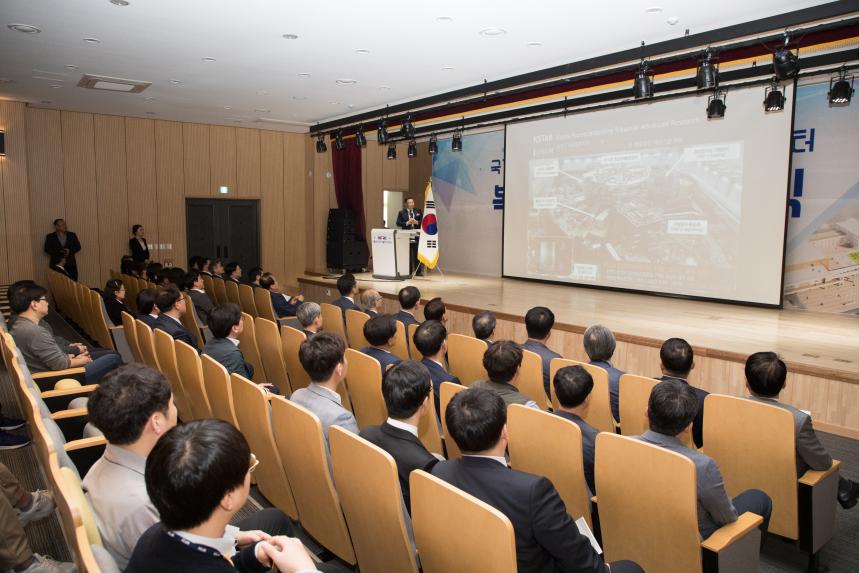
[112, 84]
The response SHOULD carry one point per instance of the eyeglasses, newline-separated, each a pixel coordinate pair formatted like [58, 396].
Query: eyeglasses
[42, 299]
[254, 464]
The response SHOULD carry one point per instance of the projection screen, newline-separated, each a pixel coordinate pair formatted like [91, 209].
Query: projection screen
[653, 198]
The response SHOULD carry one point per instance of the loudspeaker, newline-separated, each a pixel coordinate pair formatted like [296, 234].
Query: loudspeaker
[342, 249]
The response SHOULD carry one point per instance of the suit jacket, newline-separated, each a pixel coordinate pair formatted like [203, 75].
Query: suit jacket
[327, 407]
[406, 449]
[138, 253]
[307, 334]
[282, 307]
[203, 305]
[345, 304]
[371, 313]
[115, 308]
[546, 357]
[508, 392]
[698, 422]
[403, 217]
[613, 386]
[384, 357]
[810, 453]
[176, 330]
[438, 375]
[547, 539]
[61, 270]
[406, 318]
[589, 444]
[53, 247]
[147, 319]
[230, 356]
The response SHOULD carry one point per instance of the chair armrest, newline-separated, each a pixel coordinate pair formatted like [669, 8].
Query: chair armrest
[69, 391]
[71, 422]
[85, 443]
[67, 373]
[728, 534]
[71, 413]
[813, 477]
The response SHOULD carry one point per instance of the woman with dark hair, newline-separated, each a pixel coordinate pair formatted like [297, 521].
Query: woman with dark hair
[205, 266]
[138, 245]
[114, 301]
[253, 276]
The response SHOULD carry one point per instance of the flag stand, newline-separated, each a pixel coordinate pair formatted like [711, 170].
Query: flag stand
[426, 270]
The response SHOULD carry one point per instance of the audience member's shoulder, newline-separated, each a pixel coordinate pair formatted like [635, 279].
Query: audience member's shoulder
[371, 433]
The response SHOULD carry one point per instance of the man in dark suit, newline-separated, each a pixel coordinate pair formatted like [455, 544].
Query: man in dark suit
[283, 304]
[380, 331]
[202, 303]
[573, 385]
[347, 286]
[58, 264]
[146, 306]
[599, 343]
[766, 375]
[171, 305]
[233, 272]
[410, 298]
[64, 242]
[483, 325]
[410, 218]
[539, 322]
[677, 361]
[373, 303]
[434, 309]
[226, 324]
[406, 389]
[431, 342]
[547, 539]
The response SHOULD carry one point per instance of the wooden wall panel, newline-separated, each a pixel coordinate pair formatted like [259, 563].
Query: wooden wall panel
[371, 162]
[420, 171]
[389, 169]
[196, 160]
[272, 205]
[4, 230]
[111, 191]
[248, 163]
[309, 202]
[294, 207]
[80, 191]
[222, 150]
[171, 185]
[16, 261]
[140, 179]
[401, 166]
[323, 199]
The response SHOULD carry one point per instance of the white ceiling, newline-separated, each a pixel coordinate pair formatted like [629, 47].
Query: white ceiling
[257, 72]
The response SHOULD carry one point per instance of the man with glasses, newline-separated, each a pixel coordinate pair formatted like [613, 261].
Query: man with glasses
[171, 305]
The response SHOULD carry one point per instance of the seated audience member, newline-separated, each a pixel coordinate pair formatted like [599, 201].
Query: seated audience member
[217, 269]
[547, 539]
[41, 351]
[171, 306]
[677, 361]
[58, 264]
[599, 345]
[766, 375]
[146, 305]
[373, 303]
[198, 477]
[539, 322]
[309, 314]
[483, 325]
[195, 263]
[406, 388]
[435, 310]
[431, 341]
[254, 275]
[233, 272]
[114, 301]
[670, 411]
[152, 272]
[502, 361]
[139, 270]
[347, 286]
[324, 359]
[128, 266]
[283, 304]
[206, 266]
[203, 305]
[175, 277]
[73, 348]
[573, 385]
[381, 332]
[227, 323]
[410, 298]
[19, 507]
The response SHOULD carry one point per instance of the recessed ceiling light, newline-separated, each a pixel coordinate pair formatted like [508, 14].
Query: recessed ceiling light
[362, 51]
[444, 19]
[346, 82]
[72, 67]
[46, 102]
[150, 113]
[25, 28]
[150, 98]
[262, 93]
[653, 10]
[56, 86]
[237, 121]
[334, 102]
[447, 68]
[299, 98]
[262, 110]
[92, 40]
[351, 106]
[534, 44]
[227, 107]
[303, 75]
[120, 2]
[290, 36]
[673, 20]
[385, 88]
[207, 59]
[176, 82]
[492, 32]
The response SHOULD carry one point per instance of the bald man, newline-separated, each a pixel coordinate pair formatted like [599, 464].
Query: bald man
[372, 302]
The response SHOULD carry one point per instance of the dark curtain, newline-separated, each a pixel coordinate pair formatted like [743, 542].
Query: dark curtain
[347, 183]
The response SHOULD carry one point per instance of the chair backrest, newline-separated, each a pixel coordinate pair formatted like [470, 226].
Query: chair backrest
[76, 493]
[548, 445]
[218, 389]
[165, 352]
[191, 321]
[332, 320]
[366, 478]
[599, 411]
[298, 435]
[291, 340]
[479, 526]
[132, 289]
[232, 292]
[191, 372]
[364, 384]
[355, 320]
[633, 396]
[220, 290]
[429, 430]
[271, 353]
[465, 357]
[146, 344]
[130, 331]
[262, 302]
[446, 392]
[250, 350]
[401, 347]
[414, 353]
[754, 445]
[652, 518]
[209, 287]
[254, 416]
[530, 380]
[246, 298]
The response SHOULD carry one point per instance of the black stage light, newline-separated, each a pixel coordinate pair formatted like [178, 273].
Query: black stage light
[413, 148]
[456, 141]
[408, 129]
[707, 75]
[840, 89]
[433, 145]
[360, 138]
[338, 140]
[381, 133]
[785, 62]
[716, 105]
[773, 97]
[320, 144]
[392, 151]
[643, 84]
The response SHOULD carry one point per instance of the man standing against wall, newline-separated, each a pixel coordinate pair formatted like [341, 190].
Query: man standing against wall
[64, 242]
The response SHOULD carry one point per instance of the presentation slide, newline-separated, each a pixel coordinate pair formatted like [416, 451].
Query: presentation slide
[652, 198]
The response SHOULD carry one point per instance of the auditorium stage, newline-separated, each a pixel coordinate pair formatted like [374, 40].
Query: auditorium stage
[821, 350]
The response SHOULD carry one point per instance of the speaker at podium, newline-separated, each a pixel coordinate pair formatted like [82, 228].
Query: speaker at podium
[391, 253]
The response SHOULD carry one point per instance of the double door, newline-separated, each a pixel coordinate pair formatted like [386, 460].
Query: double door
[225, 229]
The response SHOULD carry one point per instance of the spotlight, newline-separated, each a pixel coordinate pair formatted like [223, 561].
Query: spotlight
[708, 72]
[413, 148]
[840, 89]
[320, 144]
[785, 62]
[408, 128]
[381, 133]
[338, 140]
[716, 105]
[360, 138]
[433, 145]
[456, 141]
[773, 97]
[642, 86]
[392, 151]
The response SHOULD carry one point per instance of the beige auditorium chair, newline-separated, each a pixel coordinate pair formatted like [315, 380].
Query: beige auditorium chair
[465, 357]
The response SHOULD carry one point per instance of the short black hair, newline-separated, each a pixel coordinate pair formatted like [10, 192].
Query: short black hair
[345, 284]
[434, 309]
[230, 267]
[111, 287]
[223, 318]
[124, 401]
[267, 280]
[167, 298]
[17, 284]
[57, 257]
[380, 329]
[134, 228]
[501, 360]
[254, 274]
[572, 385]
[190, 278]
[475, 418]
[539, 322]
[196, 262]
[676, 356]
[672, 407]
[405, 386]
[152, 270]
[409, 297]
[766, 374]
[146, 300]
[192, 468]
[483, 324]
[429, 337]
[57, 221]
[321, 354]
[25, 294]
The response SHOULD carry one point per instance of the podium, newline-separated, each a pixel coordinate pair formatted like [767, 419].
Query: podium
[391, 253]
